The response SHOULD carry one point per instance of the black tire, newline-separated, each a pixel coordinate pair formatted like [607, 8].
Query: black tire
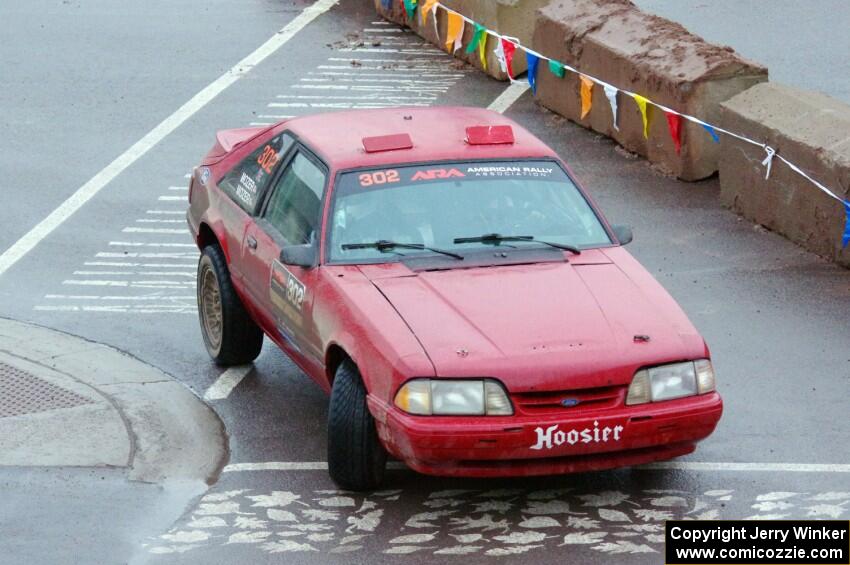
[230, 335]
[356, 458]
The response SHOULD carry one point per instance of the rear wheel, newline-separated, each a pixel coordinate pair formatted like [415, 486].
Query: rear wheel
[356, 458]
[230, 335]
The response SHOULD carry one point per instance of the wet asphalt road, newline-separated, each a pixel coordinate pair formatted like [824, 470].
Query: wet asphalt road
[773, 315]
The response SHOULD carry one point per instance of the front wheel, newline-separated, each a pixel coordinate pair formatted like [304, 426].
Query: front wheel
[230, 335]
[356, 458]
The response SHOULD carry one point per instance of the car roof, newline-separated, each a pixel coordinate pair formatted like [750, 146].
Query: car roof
[438, 134]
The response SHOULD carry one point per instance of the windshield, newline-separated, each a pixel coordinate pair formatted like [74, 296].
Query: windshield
[434, 205]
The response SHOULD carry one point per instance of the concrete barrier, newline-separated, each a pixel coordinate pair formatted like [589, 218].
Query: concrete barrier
[515, 18]
[812, 131]
[616, 42]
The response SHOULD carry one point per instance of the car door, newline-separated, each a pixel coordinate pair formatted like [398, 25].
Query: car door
[291, 215]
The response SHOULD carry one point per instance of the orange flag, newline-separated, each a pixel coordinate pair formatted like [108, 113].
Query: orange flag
[425, 9]
[454, 32]
[586, 96]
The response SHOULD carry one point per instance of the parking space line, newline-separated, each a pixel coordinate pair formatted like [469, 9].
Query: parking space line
[506, 99]
[94, 185]
[662, 466]
[226, 382]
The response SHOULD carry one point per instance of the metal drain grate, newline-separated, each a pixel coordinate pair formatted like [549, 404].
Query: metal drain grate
[24, 393]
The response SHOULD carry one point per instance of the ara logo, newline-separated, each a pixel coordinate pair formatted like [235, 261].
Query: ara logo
[434, 174]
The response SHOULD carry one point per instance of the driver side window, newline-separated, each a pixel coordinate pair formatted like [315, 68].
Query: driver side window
[295, 205]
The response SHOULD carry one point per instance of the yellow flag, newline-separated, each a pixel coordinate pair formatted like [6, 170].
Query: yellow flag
[644, 112]
[482, 49]
[425, 9]
[586, 96]
[454, 31]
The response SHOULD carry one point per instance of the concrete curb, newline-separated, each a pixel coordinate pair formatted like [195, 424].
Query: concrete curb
[127, 413]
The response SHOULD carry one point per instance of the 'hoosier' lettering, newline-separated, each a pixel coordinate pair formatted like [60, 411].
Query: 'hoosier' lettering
[552, 436]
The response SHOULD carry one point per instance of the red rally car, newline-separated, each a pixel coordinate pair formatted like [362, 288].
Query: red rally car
[443, 275]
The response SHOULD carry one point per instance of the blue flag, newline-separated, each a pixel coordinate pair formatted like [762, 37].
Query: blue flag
[387, 4]
[532, 60]
[711, 132]
[846, 239]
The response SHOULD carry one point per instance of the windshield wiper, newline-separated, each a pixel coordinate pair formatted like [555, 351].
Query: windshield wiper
[384, 245]
[496, 239]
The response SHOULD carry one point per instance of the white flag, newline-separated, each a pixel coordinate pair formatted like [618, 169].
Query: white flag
[611, 93]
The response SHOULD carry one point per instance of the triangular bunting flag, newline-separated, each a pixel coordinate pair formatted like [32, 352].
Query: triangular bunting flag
[674, 124]
[611, 94]
[454, 32]
[482, 49]
[645, 108]
[557, 68]
[586, 96]
[533, 61]
[425, 9]
[846, 239]
[712, 133]
[410, 8]
[386, 4]
[476, 37]
[508, 49]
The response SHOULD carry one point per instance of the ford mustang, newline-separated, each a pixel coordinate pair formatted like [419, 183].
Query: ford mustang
[443, 275]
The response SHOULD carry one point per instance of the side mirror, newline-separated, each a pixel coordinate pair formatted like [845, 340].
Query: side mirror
[299, 255]
[623, 234]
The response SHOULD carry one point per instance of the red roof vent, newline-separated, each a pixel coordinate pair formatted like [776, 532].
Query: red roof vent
[489, 135]
[387, 143]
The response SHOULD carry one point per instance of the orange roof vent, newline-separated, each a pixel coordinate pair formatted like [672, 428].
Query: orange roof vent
[387, 143]
[489, 135]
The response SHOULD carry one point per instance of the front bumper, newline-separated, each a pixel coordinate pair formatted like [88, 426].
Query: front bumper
[546, 445]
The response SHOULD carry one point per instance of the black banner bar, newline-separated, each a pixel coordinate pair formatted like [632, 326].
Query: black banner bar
[757, 542]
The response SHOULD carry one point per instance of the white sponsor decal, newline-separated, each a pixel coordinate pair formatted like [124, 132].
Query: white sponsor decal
[552, 436]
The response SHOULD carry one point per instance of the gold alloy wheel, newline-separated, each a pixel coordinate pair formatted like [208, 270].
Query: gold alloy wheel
[211, 314]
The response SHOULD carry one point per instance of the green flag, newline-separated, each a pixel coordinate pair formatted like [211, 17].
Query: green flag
[557, 69]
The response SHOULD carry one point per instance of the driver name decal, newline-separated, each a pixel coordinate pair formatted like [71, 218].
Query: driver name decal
[287, 294]
[555, 437]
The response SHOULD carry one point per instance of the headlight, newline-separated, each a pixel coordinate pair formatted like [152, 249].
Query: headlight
[453, 397]
[667, 382]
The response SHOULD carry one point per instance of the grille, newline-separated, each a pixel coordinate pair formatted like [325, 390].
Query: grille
[549, 402]
[24, 393]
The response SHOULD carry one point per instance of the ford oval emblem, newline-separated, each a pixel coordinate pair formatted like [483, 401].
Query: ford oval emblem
[570, 402]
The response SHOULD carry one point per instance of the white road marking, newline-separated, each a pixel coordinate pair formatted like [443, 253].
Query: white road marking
[145, 244]
[154, 230]
[260, 123]
[175, 255]
[121, 309]
[166, 212]
[94, 185]
[506, 99]
[178, 188]
[116, 297]
[189, 266]
[174, 198]
[275, 116]
[226, 382]
[151, 221]
[680, 465]
[136, 273]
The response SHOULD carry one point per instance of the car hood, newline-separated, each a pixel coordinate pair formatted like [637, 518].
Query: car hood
[543, 326]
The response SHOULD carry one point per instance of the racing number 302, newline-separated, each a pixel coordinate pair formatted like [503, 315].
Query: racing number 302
[378, 177]
[267, 159]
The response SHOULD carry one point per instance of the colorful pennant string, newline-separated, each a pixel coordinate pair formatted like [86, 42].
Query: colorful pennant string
[557, 68]
[674, 124]
[532, 61]
[586, 95]
[505, 50]
[454, 32]
[611, 94]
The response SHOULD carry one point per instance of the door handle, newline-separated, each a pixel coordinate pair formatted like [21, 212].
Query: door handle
[252, 242]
